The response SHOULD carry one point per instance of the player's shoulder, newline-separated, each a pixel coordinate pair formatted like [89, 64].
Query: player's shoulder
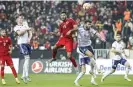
[16, 27]
[8, 37]
[70, 19]
[114, 43]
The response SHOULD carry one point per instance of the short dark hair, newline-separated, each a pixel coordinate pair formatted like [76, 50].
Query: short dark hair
[2, 30]
[63, 12]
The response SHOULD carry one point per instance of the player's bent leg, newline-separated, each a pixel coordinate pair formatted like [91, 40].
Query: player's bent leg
[88, 53]
[80, 75]
[72, 59]
[128, 67]
[107, 74]
[54, 52]
[92, 73]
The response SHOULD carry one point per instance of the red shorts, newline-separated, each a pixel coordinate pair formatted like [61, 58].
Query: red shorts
[68, 43]
[6, 59]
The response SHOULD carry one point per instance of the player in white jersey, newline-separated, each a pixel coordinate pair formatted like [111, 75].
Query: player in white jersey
[23, 40]
[85, 50]
[119, 58]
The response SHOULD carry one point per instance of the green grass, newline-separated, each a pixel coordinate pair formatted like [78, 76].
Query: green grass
[66, 80]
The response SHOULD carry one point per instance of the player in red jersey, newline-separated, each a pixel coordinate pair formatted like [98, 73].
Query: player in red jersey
[5, 55]
[66, 29]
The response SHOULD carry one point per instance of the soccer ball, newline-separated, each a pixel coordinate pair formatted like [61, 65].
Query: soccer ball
[87, 6]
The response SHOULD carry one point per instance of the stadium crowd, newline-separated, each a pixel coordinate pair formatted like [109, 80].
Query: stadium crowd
[108, 18]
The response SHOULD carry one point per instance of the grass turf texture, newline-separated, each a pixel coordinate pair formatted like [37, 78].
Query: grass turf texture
[66, 80]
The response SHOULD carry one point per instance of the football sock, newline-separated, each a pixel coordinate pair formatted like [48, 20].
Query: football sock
[26, 66]
[2, 72]
[108, 74]
[73, 62]
[80, 75]
[14, 72]
[127, 71]
[54, 52]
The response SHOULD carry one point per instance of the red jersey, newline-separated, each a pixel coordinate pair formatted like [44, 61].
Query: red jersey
[65, 26]
[5, 42]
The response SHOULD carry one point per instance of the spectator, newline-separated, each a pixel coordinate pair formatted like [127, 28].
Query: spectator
[118, 25]
[47, 45]
[127, 14]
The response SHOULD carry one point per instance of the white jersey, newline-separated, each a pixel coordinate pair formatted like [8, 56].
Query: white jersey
[118, 46]
[84, 36]
[24, 38]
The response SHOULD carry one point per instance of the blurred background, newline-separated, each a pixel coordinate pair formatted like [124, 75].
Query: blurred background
[108, 18]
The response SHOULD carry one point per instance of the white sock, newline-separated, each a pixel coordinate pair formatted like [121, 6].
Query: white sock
[127, 71]
[80, 75]
[106, 75]
[26, 66]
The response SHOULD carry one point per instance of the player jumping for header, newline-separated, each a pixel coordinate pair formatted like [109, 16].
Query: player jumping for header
[66, 29]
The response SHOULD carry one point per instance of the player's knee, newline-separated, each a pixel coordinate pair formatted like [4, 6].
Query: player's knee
[113, 70]
[127, 65]
[55, 47]
[69, 56]
[11, 66]
[83, 68]
[88, 53]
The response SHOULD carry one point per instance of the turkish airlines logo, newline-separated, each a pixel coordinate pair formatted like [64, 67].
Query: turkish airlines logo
[37, 66]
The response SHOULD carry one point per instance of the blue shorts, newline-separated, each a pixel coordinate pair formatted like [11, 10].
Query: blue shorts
[122, 61]
[25, 49]
[85, 48]
[83, 61]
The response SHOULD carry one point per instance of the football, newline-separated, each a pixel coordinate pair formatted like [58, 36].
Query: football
[87, 6]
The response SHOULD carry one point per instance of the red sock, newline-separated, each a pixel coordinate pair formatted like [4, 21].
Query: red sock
[2, 72]
[14, 72]
[73, 61]
[54, 52]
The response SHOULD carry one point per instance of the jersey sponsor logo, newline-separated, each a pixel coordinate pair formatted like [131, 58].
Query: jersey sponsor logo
[37, 66]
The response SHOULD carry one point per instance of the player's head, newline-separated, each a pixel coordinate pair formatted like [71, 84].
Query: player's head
[118, 37]
[3, 32]
[63, 16]
[87, 24]
[20, 19]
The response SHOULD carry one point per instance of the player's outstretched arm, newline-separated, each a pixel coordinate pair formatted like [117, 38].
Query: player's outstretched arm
[57, 33]
[99, 36]
[75, 28]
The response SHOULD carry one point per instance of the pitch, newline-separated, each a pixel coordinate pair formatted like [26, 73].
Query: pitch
[66, 80]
